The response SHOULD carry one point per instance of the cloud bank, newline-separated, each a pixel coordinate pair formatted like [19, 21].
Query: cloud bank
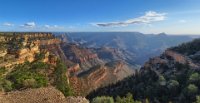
[149, 17]
[29, 25]
[32, 26]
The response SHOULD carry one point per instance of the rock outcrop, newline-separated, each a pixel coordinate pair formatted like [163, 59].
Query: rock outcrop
[100, 76]
[176, 56]
[40, 95]
[110, 54]
[83, 56]
[78, 54]
[21, 47]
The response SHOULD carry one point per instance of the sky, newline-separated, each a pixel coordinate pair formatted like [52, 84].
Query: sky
[146, 16]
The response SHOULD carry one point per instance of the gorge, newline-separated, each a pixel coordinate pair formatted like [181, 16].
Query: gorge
[77, 66]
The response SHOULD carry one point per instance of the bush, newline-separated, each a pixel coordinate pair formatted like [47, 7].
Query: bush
[127, 99]
[39, 65]
[173, 83]
[27, 79]
[40, 56]
[2, 70]
[194, 77]
[162, 80]
[61, 81]
[29, 82]
[7, 85]
[28, 75]
[103, 99]
[192, 89]
[197, 99]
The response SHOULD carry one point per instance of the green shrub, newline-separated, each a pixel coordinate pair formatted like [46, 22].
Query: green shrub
[162, 80]
[28, 75]
[29, 82]
[103, 99]
[192, 89]
[197, 99]
[27, 79]
[173, 83]
[39, 65]
[127, 99]
[61, 80]
[40, 56]
[2, 70]
[7, 85]
[194, 77]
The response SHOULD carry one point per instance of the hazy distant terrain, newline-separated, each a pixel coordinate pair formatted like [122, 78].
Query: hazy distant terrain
[135, 46]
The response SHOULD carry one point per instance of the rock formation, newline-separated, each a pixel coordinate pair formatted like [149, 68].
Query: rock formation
[100, 76]
[85, 70]
[41, 95]
[21, 47]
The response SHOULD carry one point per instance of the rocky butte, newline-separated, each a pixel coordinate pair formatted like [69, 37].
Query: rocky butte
[21, 47]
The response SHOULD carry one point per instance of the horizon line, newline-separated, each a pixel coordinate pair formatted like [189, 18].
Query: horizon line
[99, 32]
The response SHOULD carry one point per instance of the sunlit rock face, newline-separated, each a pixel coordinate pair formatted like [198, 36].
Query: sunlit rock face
[21, 47]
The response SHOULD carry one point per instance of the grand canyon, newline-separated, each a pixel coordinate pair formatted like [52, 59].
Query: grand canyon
[99, 51]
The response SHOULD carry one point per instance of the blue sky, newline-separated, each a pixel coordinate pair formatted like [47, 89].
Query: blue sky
[147, 16]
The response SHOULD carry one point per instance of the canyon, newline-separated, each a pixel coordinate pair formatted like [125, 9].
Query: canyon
[85, 70]
[173, 76]
[82, 68]
[134, 48]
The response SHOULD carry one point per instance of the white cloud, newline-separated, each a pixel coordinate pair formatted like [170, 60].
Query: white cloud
[149, 17]
[29, 25]
[7, 24]
[52, 26]
[55, 26]
[47, 26]
[182, 21]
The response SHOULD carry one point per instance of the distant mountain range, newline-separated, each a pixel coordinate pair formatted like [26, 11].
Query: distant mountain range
[133, 47]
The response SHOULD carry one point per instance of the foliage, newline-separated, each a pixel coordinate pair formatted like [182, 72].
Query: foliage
[6, 85]
[179, 85]
[191, 89]
[173, 84]
[188, 48]
[197, 99]
[35, 75]
[103, 99]
[40, 56]
[127, 99]
[27, 79]
[195, 77]
[28, 75]
[162, 80]
[61, 80]
[2, 70]
[39, 65]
